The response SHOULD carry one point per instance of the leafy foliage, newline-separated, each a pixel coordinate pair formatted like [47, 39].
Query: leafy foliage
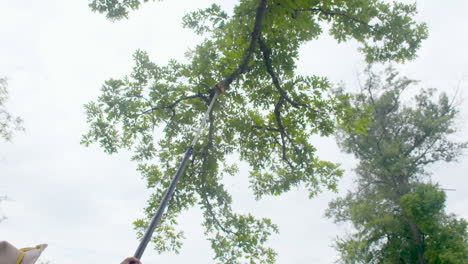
[8, 123]
[266, 117]
[397, 216]
[115, 9]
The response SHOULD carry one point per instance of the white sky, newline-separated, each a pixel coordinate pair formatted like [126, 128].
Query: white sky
[56, 54]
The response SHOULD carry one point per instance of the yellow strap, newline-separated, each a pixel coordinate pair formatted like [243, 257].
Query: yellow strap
[20, 258]
[28, 249]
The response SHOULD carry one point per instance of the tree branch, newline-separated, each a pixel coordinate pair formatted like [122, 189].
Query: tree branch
[271, 129]
[253, 42]
[419, 141]
[174, 104]
[333, 13]
[203, 173]
[213, 216]
[281, 131]
[267, 59]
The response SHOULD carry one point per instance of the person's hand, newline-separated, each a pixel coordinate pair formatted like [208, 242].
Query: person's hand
[129, 260]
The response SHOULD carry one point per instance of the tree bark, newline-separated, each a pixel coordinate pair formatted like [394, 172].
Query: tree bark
[416, 235]
[415, 232]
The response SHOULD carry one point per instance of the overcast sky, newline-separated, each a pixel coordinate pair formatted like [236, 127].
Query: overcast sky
[56, 54]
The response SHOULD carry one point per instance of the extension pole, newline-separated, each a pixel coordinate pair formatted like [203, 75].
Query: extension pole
[167, 197]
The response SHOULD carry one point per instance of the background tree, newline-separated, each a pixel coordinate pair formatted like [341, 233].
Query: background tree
[397, 212]
[266, 116]
[8, 123]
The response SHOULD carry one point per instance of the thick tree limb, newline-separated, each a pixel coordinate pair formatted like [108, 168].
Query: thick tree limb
[253, 43]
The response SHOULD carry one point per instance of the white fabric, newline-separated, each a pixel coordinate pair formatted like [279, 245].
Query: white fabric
[9, 254]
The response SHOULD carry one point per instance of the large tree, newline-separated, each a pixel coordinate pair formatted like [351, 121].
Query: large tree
[266, 116]
[398, 214]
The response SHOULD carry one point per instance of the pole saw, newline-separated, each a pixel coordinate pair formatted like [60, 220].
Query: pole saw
[170, 191]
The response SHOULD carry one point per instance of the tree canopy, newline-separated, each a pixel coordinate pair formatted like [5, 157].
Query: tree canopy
[397, 213]
[266, 116]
